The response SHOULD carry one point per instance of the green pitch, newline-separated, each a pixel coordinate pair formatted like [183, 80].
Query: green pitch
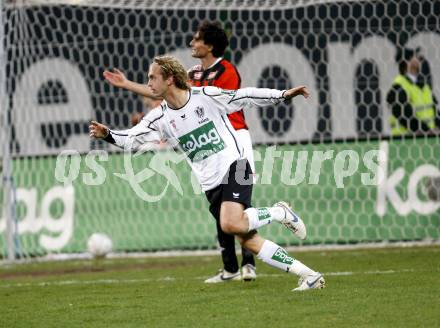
[365, 288]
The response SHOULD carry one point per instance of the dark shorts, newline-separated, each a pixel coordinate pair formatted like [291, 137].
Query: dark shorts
[236, 187]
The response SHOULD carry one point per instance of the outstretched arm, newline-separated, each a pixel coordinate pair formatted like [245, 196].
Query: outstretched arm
[234, 100]
[144, 133]
[297, 91]
[119, 80]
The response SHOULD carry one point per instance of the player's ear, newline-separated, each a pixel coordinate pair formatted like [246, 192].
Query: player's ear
[170, 80]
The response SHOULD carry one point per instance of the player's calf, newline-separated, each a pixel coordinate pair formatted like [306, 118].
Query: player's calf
[280, 212]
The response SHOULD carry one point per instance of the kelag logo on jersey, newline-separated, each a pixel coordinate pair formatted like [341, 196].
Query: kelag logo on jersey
[202, 142]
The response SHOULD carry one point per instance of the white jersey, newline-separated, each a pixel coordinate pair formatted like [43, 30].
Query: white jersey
[200, 128]
[244, 138]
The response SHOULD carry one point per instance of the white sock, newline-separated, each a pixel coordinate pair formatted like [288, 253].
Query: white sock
[277, 257]
[259, 217]
[300, 269]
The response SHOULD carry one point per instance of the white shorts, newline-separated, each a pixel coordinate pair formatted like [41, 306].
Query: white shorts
[244, 137]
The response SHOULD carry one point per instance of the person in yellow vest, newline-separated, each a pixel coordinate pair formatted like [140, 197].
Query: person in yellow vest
[412, 103]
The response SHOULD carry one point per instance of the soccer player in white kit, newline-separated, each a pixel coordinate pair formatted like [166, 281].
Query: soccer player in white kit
[195, 120]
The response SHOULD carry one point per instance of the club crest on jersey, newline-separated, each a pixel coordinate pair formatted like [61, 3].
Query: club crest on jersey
[200, 111]
[173, 124]
[202, 142]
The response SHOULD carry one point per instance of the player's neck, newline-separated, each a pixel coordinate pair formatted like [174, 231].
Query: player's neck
[208, 60]
[177, 98]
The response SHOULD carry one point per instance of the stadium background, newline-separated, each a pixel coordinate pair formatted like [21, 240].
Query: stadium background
[343, 50]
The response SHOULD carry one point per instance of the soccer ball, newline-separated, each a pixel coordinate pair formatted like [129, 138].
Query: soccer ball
[99, 245]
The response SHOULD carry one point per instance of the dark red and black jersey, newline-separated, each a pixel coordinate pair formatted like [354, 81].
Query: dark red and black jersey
[222, 75]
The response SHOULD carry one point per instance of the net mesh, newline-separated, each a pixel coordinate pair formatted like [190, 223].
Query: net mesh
[334, 157]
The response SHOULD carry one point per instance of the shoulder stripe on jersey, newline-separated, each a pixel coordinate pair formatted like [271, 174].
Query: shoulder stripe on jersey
[142, 133]
[151, 122]
[235, 140]
[139, 134]
[203, 89]
[126, 134]
[150, 127]
[235, 99]
[119, 134]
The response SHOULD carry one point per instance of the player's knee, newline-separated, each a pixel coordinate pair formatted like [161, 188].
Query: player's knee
[229, 226]
[231, 218]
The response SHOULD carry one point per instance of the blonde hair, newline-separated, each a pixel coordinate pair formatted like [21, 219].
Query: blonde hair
[170, 66]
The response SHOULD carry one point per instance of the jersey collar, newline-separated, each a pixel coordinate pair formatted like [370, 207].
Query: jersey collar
[215, 63]
[189, 97]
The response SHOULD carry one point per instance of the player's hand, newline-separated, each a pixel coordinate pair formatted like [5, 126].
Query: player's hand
[116, 78]
[301, 90]
[98, 130]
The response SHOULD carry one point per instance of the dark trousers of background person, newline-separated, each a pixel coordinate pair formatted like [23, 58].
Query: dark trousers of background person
[227, 244]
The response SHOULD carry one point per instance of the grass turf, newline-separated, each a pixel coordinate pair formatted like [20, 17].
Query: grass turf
[378, 287]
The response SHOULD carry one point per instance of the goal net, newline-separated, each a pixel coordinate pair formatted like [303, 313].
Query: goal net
[335, 157]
